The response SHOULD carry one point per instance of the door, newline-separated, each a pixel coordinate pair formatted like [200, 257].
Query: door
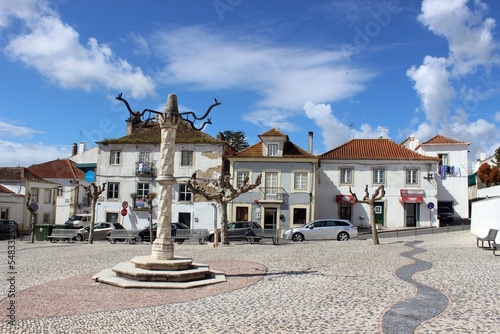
[270, 218]
[316, 230]
[411, 213]
[379, 213]
[345, 211]
[185, 218]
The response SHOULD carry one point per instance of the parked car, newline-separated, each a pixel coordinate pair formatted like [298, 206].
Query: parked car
[8, 229]
[445, 214]
[323, 229]
[144, 233]
[78, 220]
[101, 231]
[236, 231]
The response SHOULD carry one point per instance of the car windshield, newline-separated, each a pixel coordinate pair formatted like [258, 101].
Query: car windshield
[75, 217]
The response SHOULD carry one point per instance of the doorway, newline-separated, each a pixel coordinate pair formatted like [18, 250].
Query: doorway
[378, 208]
[270, 218]
[185, 218]
[345, 211]
[411, 214]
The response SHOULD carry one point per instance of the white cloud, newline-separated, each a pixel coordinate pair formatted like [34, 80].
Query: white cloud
[433, 87]
[285, 77]
[25, 155]
[469, 36]
[53, 48]
[9, 130]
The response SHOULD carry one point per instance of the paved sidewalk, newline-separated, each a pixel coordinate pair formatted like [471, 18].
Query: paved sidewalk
[309, 287]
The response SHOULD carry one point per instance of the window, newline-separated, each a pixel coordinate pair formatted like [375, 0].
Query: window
[299, 216]
[271, 183]
[378, 176]
[186, 158]
[300, 181]
[4, 214]
[346, 175]
[145, 157]
[142, 190]
[272, 150]
[46, 218]
[60, 191]
[112, 217]
[113, 190]
[412, 176]
[114, 157]
[242, 213]
[444, 160]
[240, 177]
[184, 193]
[47, 196]
[34, 195]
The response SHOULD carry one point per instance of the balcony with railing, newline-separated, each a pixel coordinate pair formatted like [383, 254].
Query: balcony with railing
[272, 194]
[147, 169]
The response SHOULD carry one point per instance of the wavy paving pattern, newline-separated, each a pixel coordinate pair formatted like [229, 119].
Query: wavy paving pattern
[406, 315]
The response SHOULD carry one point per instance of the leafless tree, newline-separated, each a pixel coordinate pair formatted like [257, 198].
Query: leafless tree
[222, 192]
[93, 191]
[33, 221]
[377, 195]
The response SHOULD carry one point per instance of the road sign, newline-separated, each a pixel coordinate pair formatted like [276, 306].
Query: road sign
[124, 212]
[430, 205]
[33, 206]
[89, 176]
[125, 204]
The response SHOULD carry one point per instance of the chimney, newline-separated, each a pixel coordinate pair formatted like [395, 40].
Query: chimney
[82, 147]
[74, 149]
[310, 142]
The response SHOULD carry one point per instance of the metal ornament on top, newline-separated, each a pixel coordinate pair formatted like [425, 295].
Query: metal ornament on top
[163, 247]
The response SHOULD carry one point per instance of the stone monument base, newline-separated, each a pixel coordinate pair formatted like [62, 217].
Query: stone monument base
[148, 272]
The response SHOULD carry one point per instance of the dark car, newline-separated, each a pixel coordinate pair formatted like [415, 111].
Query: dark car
[144, 233]
[8, 229]
[237, 231]
[445, 214]
[101, 231]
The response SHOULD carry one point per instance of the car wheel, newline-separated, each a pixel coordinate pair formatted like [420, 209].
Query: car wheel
[343, 236]
[79, 237]
[298, 237]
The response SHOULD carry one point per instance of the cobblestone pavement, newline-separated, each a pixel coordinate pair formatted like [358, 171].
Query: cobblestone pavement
[309, 287]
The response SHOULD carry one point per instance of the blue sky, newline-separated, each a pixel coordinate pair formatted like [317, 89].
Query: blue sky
[341, 69]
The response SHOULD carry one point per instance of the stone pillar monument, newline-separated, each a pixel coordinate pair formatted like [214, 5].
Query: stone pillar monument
[163, 247]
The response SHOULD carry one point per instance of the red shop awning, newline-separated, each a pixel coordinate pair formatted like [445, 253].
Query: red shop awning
[345, 199]
[412, 199]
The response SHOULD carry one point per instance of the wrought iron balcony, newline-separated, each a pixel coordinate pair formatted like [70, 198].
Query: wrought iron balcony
[145, 169]
[271, 194]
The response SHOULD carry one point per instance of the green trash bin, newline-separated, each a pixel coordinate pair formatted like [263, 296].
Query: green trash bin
[42, 231]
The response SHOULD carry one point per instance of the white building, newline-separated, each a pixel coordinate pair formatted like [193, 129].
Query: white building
[128, 167]
[451, 170]
[408, 178]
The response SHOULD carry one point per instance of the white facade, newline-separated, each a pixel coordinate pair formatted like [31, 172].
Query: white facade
[132, 178]
[452, 174]
[404, 205]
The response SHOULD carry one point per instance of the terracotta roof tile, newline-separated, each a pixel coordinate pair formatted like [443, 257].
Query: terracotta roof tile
[442, 140]
[373, 149]
[5, 190]
[59, 169]
[152, 135]
[290, 150]
[19, 174]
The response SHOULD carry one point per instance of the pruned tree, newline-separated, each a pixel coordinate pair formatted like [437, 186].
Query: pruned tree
[377, 195]
[223, 193]
[236, 139]
[149, 199]
[93, 192]
[488, 175]
[32, 218]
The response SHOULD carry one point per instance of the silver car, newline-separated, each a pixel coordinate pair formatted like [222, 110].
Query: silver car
[323, 229]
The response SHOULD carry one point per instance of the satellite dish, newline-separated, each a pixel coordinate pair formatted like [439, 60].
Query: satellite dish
[33, 206]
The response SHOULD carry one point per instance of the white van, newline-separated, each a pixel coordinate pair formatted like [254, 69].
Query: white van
[78, 220]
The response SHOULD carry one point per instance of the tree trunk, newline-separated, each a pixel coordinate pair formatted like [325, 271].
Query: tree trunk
[224, 231]
[92, 221]
[373, 224]
[33, 226]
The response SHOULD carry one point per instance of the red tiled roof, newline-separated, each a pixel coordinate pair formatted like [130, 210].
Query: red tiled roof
[19, 174]
[152, 135]
[273, 133]
[373, 149]
[58, 169]
[442, 140]
[290, 150]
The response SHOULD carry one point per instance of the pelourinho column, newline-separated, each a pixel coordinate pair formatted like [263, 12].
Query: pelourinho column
[163, 247]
